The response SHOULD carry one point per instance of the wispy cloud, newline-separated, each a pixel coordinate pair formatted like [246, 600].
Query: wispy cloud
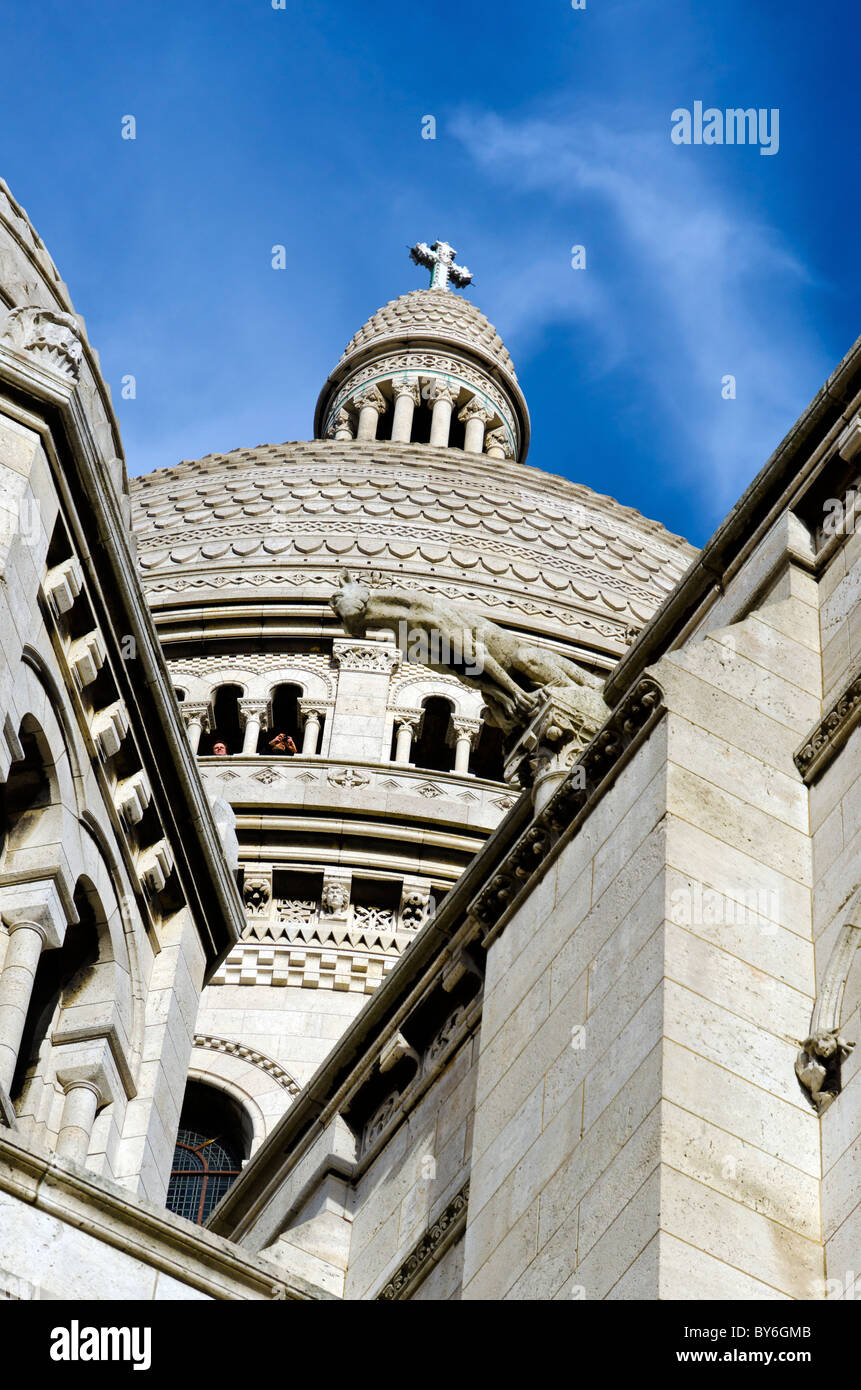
[691, 286]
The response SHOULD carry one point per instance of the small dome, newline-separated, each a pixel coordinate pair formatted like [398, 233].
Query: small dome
[433, 314]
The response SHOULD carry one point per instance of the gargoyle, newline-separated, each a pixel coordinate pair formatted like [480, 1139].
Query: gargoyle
[511, 674]
[818, 1067]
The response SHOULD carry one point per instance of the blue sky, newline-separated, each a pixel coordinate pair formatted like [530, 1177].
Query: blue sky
[302, 127]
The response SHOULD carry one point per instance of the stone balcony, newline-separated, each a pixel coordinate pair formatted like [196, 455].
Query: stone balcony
[394, 791]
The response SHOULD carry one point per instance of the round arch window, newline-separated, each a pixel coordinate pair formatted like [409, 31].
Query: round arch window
[213, 1142]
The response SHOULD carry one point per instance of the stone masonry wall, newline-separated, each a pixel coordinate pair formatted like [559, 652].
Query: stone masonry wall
[640, 1132]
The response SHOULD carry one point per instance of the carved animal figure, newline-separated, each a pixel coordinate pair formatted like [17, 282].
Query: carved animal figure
[453, 637]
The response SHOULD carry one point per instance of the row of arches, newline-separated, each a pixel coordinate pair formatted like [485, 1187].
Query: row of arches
[434, 748]
[227, 725]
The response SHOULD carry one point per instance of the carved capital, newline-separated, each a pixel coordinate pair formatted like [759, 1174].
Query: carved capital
[409, 719]
[474, 410]
[366, 656]
[341, 427]
[496, 444]
[373, 397]
[407, 386]
[39, 907]
[315, 709]
[252, 709]
[195, 714]
[436, 389]
[51, 338]
[464, 729]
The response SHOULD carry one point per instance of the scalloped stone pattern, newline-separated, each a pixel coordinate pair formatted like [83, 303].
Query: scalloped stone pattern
[290, 516]
[435, 314]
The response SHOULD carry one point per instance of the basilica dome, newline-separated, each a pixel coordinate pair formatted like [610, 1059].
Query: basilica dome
[416, 480]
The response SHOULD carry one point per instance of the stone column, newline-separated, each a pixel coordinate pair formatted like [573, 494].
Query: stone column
[466, 733]
[442, 398]
[341, 428]
[79, 1116]
[497, 446]
[251, 714]
[406, 724]
[311, 732]
[407, 397]
[36, 920]
[476, 417]
[196, 721]
[371, 404]
[88, 1075]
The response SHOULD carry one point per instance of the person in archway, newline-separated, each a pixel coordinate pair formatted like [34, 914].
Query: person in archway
[219, 750]
[283, 745]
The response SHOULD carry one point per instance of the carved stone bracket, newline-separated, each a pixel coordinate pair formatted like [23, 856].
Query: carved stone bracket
[563, 726]
[602, 759]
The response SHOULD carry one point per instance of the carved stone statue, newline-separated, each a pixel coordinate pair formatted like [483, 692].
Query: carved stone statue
[512, 675]
[818, 1066]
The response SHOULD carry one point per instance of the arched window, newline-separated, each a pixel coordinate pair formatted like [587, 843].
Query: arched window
[213, 1142]
[285, 717]
[225, 712]
[28, 791]
[431, 750]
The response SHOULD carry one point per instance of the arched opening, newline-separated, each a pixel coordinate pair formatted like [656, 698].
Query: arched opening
[431, 750]
[488, 760]
[457, 435]
[285, 718]
[225, 721]
[61, 979]
[213, 1142]
[29, 790]
[421, 431]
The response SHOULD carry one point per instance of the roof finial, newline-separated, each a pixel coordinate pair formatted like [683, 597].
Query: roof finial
[439, 260]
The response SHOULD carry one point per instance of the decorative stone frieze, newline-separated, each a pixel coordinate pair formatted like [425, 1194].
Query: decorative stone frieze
[428, 1251]
[830, 734]
[230, 1048]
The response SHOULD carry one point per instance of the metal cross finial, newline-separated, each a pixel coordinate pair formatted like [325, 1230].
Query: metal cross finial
[439, 260]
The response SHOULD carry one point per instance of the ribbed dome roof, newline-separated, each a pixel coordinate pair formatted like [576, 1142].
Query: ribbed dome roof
[433, 314]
